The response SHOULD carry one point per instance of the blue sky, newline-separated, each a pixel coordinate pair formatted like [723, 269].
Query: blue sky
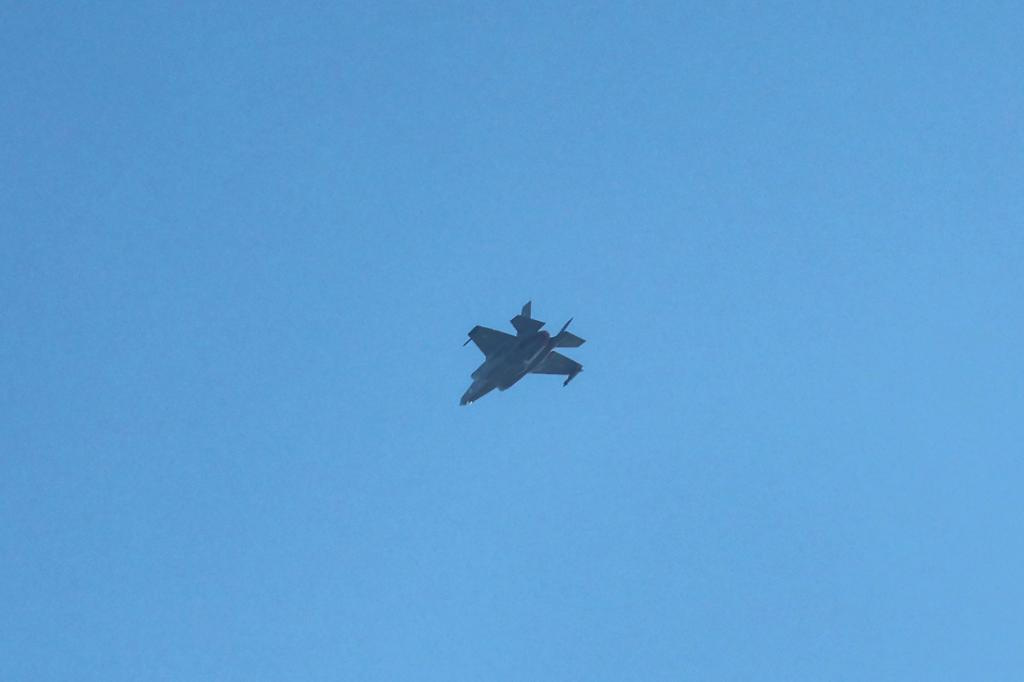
[242, 245]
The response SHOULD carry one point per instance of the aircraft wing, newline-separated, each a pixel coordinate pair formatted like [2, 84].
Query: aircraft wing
[556, 363]
[488, 340]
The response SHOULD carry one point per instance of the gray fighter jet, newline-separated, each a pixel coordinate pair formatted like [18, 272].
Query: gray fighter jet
[510, 358]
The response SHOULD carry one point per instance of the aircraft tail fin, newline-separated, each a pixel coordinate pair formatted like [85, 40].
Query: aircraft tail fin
[569, 340]
[524, 324]
[564, 339]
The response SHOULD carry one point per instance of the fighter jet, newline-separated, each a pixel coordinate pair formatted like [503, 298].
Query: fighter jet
[509, 358]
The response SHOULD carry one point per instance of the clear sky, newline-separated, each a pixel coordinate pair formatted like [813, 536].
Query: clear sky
[242, 244]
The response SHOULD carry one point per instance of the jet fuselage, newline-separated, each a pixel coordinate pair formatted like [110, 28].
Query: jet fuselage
[509, 358]
[514, 362]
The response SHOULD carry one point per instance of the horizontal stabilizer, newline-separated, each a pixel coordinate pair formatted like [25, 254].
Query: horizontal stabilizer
[568, 340]
[525, 324]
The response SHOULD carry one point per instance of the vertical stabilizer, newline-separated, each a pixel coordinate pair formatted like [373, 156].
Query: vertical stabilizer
[564, 339]
[524, 324]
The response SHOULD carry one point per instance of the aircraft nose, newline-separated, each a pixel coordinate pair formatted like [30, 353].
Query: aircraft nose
[473, 393]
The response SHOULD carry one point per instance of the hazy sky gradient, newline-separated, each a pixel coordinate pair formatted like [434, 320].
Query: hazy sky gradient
[242, 244]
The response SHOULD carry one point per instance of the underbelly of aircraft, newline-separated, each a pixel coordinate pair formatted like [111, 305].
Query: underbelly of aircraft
[513, 373]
